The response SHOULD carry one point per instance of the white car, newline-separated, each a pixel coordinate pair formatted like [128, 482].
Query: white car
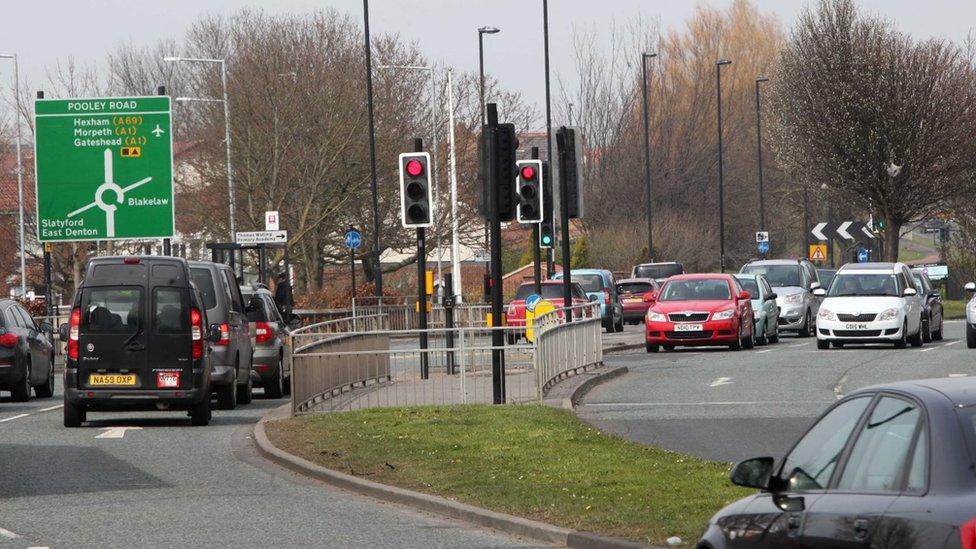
[871, 303]
[971, 317]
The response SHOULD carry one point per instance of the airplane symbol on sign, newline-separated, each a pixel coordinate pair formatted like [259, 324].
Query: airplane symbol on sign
[158, 131]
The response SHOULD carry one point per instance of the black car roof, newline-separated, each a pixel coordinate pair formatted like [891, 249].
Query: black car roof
[960, 391]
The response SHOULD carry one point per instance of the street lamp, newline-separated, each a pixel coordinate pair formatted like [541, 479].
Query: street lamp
[545, 39]
[482, 31]
[759, 162]
[721, 190]
[230, 171]
[647, 154]
[433, 139]
[372, 155]
[20, 178]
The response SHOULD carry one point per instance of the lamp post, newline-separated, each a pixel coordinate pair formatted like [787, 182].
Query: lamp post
[20, 177]
[647, 154]
[482, 31]
[433, 139]
[372, 155]
[759, 161]
[545, 39]
[227, 143]
[721, 190]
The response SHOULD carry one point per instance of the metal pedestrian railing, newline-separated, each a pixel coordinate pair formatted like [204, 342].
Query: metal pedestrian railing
[566, 348]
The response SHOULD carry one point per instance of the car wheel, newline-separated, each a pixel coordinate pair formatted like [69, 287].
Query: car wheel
[937, 334]
[227, 394]
[774, 337]
[651, 348]
[286, 385]
[47, 389]
[970, 337]
[620, 324]
[273, 387]
[668, 348]
[823, 344]
[750, 341]
[807, 329]
[763, 338]
[903, 341]
[21, 392]
[510, 337]
[927, 330]
[245, 392]
[737, 346]
[200, 413]
[917, 340]
[74, 414]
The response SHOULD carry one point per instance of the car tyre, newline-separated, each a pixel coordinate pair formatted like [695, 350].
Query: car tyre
[774, 337]
[651, 348]
[917, 340]
[200, 413]
[246, 392]
[620, 324]
[750, 342]
[823, 344]
[74, 414]
[763, 338]
[807, 329]
[927, 330]
[903, 341]
[227, 394]
[511, 339]
[737, 346]
[47, 389]
[937, 334]
[273, 388]
[21, 392]
[970, 337]
[668, 348]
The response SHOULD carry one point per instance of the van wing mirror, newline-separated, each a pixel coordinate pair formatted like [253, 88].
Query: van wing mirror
[745, 295]
[909, 292]
[213, 333]
[771, 297]
[970, 287]
[650, 297]
[63, 332]
[753, 473]
[254, 304]
[820, 292]
[46, 327]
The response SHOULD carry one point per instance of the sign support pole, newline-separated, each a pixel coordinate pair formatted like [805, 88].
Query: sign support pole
[48, 292]
[352, 270]
[418, 145]
[536, 254]
[561, 147]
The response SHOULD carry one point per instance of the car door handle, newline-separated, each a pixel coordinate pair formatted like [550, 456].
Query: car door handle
[861, 527]
[793, 522]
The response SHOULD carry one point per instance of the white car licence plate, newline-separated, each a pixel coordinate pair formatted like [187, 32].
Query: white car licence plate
[856, 326]
[687, 327]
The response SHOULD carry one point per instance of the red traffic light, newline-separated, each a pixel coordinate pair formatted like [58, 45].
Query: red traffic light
[528, 172]
[415, 168]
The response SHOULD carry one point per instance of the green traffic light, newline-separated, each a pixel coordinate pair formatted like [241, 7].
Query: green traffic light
[547, 240]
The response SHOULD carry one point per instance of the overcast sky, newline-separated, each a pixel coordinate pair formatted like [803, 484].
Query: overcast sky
[44, 31]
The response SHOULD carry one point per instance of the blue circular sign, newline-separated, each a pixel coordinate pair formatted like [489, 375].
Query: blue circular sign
[862, 255]
[353, 239]
[531, 302]
[764, 247]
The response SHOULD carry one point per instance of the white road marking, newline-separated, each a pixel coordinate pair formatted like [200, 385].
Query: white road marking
[51, 408]
[795, 345]
[8, 534]
[927, 349]
[764, 351]
[958, 375]
[721, 381]
[717, 403]
[11, 418]
[116, 432]
[951, 343]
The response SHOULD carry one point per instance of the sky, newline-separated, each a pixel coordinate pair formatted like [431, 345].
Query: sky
[45, 31]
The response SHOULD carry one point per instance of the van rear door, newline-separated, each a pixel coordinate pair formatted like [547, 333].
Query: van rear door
[112, 340]
[170, 352]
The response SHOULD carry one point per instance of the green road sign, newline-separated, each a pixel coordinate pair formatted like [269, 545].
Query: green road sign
[104, 168]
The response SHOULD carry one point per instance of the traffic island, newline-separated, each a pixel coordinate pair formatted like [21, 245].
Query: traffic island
[530, 461]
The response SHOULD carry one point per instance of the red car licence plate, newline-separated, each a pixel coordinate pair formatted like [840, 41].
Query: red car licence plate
[167, 380]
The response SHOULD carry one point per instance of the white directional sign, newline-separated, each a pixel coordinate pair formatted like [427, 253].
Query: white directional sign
[762, 236]
[261, 237]
[842, 230]
[818, 231]
[271, 221]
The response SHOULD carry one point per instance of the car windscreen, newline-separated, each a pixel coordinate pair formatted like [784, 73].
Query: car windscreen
[258, 314]
[776, 275]
[704, 289]
[864, 285]
[204, 282]
[635, 287]
[589, 282]
[549, 291]
[111, 310]
[658, 271]
[750, 285]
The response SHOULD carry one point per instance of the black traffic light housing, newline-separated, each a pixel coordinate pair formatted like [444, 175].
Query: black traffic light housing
[504, 143]
[568, 140]
[528, 185]
[416, 203]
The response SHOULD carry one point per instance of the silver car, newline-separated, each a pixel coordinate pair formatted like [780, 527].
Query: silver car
[793, 281]
[269, 338]
[971, 316]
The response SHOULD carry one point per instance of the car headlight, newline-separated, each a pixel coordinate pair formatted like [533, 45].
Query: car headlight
[656, 317]
[888, 314]
[793, 298]
[826, 314]
[723, 315]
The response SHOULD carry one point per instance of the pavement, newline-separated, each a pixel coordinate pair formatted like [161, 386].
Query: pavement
[729, 406]
[150, 480]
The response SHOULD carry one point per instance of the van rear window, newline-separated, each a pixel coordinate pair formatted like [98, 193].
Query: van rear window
[111, 310]
[120, 273]
[170, 312]
[166, 271]
[204, 281]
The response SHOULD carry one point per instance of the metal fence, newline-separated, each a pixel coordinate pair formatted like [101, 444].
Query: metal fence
[364, 362]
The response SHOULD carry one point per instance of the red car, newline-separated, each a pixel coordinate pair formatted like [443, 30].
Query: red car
[699, 310]
[552, 291]
[632, 292]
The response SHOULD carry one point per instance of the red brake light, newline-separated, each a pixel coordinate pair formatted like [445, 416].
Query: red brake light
[224, 335]
[528, 172]
[196, 333]
[967, 534]
[8, 340]
[262, 332]
[131, 261]
[414, 168]
[74, 325]
[606, 297]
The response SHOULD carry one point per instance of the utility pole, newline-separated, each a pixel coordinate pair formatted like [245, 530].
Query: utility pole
[372, 156]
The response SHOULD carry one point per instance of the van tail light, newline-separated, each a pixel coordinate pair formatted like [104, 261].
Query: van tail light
[8, 340]
[606, 297]
[74, 327]
[196, 332]
[262, 332]
[224, 335]
[967, 534]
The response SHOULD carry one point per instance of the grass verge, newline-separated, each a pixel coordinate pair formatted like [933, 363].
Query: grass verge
[954, 309]
[531, 461]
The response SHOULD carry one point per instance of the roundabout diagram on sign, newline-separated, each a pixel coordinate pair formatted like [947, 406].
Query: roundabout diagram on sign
[109, 186]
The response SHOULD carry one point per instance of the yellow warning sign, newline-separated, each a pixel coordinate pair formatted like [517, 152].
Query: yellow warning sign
[131, 152]
[818, 252]
[48, 247]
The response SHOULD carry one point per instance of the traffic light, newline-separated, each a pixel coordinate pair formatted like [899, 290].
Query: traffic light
[569, 143]
[416, 204]
[546, 232]
[503, 169]
[529, 188]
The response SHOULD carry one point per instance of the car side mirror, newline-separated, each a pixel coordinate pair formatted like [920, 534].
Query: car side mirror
[970, 287]
[753, 473]
[789, 504]
[820, 292]
[46, 327]
[771, 297]
[253, 304]
[814, 285]
[294, 321]
[63, 332]
[650, 297]
[909, 292]
[745, 295]
[213, 333]
[935, 294]
[594, 298]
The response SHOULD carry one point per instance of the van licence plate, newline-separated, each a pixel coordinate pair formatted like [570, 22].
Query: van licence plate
[101, 380]
[856, 326]
[687, 327]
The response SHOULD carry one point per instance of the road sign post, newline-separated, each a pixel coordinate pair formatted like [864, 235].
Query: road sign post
[104, 168]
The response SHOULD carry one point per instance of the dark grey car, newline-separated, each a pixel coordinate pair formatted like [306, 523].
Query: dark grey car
[232, 354]
[269, 337]
[26, 353]
[888, 466]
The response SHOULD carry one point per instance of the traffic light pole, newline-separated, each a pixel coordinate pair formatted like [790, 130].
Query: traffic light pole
[495, 263]
[562, 148]
[536, 256]
[418, 146]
